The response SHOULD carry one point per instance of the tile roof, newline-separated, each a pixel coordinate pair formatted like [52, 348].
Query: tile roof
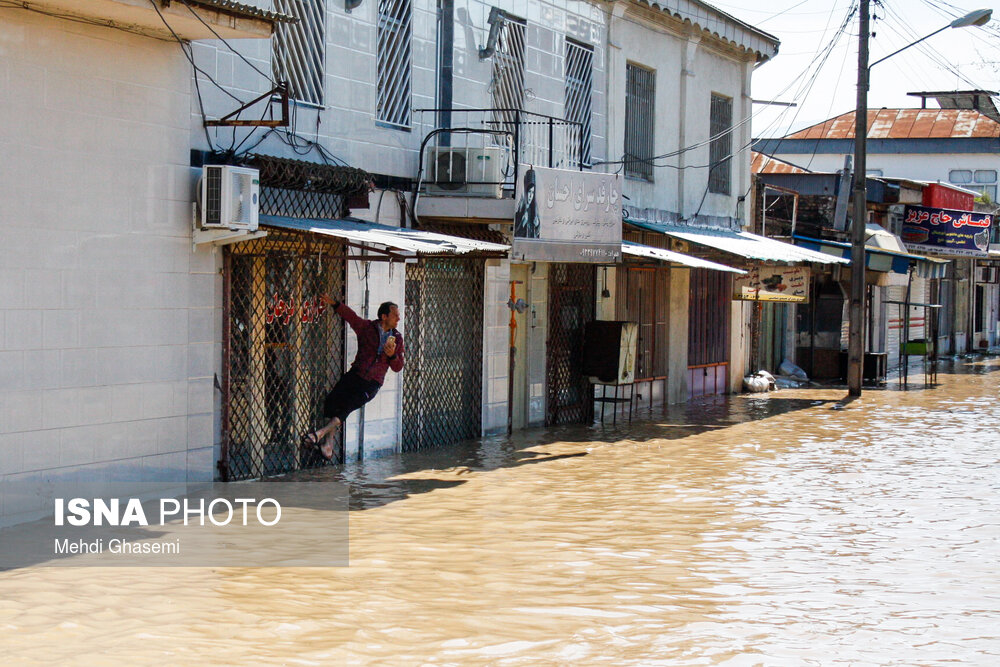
[907, 124]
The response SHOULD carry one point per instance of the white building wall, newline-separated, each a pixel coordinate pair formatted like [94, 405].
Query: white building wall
[689, 69]
[916, 166]
[496, 346]
[111, 326]
[538, 332]
[346, 124]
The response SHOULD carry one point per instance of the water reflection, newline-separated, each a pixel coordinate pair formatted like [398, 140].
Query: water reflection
[752, 530]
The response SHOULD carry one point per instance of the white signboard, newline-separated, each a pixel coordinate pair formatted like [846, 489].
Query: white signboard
[567, 216]
[773, 283]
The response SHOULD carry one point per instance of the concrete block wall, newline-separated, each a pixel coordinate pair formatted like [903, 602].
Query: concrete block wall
[346, 123]
[383, 414]
[496, 346]
[110, 324]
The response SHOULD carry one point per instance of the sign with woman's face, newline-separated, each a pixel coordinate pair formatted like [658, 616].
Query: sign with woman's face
[567, 216]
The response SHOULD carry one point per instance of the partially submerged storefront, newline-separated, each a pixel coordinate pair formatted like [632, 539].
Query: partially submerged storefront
[901, 306]
[723, 329]
[283, 350]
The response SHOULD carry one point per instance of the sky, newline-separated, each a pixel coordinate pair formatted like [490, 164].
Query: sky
[816, 65]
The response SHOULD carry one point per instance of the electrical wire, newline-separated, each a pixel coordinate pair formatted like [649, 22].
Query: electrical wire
[190, 56]
[805, 86]
[101, 23]
[228, 45]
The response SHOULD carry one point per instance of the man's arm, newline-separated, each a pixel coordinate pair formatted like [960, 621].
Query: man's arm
[345, 311]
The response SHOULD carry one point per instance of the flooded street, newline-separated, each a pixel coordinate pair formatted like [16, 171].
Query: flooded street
[749, 530]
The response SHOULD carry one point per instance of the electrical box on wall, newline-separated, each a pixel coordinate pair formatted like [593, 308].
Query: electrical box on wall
[229, 198]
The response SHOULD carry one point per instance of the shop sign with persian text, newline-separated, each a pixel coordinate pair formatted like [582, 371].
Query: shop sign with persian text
[567, 216]
[773, 283]
[941, 230]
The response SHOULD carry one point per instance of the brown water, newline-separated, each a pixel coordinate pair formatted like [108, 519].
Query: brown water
[774, 530]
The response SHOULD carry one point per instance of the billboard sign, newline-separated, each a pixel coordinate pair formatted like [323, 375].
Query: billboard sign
[948, 232]
[567, 216]
[789, 284]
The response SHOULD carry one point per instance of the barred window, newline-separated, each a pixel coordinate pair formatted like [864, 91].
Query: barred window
[640, 95]
[298, 50]
[508, 73]
[579, 87]
[721, 148]
[394, 31]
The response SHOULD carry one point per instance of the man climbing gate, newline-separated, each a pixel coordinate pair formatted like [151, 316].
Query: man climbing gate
[380, 347]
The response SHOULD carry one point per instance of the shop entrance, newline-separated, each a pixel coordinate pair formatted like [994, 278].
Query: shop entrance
[571, 306]
[443, 379]
[708, 332]
[282, 350]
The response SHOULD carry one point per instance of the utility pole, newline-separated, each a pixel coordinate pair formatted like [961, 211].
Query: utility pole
[856, 314]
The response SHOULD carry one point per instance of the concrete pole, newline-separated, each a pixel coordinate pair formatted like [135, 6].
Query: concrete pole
[856, 332]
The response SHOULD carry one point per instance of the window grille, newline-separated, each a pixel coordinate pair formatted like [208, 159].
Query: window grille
[721, 148]
[640, 94]
[579, 88]
[299, 49]
[508, 73]
[394, 58]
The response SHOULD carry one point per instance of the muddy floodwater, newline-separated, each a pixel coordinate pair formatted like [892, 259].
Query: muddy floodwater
[773, 530]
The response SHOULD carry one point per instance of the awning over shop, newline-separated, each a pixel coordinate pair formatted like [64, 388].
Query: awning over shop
[664, 255]
[743, 244]
[879, 259]
[391, 240]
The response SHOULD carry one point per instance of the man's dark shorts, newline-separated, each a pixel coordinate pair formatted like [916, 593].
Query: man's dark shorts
[350, 393]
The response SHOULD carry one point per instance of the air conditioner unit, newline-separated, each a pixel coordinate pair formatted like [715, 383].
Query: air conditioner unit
[229, 198]
[468, 172]
[987, 274]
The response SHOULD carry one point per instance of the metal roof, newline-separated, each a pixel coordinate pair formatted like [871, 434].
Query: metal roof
[745, 244]
[765, 164]
[926, 267]
[664, 255]
[244, 9]
[416, 241]
[907, 124]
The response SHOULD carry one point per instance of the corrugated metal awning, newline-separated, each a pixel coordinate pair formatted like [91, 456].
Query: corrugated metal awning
[384, 237]
[745, 244]
[664, 255]
[880, 259]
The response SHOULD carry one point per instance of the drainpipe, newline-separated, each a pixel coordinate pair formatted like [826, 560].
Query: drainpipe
[446, 69]
[495, 20]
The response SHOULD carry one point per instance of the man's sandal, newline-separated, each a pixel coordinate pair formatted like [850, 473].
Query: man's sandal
[311, 441]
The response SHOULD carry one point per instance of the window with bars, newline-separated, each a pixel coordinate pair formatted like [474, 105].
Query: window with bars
[393, 62]
[640, 96]
[579, 89]
[298, 50]
[721, 147]
[508, 73]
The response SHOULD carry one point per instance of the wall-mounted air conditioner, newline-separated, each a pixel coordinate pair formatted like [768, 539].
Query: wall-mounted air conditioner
[475, 172]
[987, 274]
[228, 198]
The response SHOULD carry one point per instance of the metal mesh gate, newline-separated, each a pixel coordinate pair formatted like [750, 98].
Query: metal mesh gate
[571, 306]
[283, 350]
[442, 382]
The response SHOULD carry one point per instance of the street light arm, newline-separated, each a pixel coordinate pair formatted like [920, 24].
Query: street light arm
[908, 46]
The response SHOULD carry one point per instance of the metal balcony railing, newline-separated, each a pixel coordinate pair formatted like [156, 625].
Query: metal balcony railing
[476, 151]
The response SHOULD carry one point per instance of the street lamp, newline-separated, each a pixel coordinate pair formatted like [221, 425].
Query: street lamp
[856, 315]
